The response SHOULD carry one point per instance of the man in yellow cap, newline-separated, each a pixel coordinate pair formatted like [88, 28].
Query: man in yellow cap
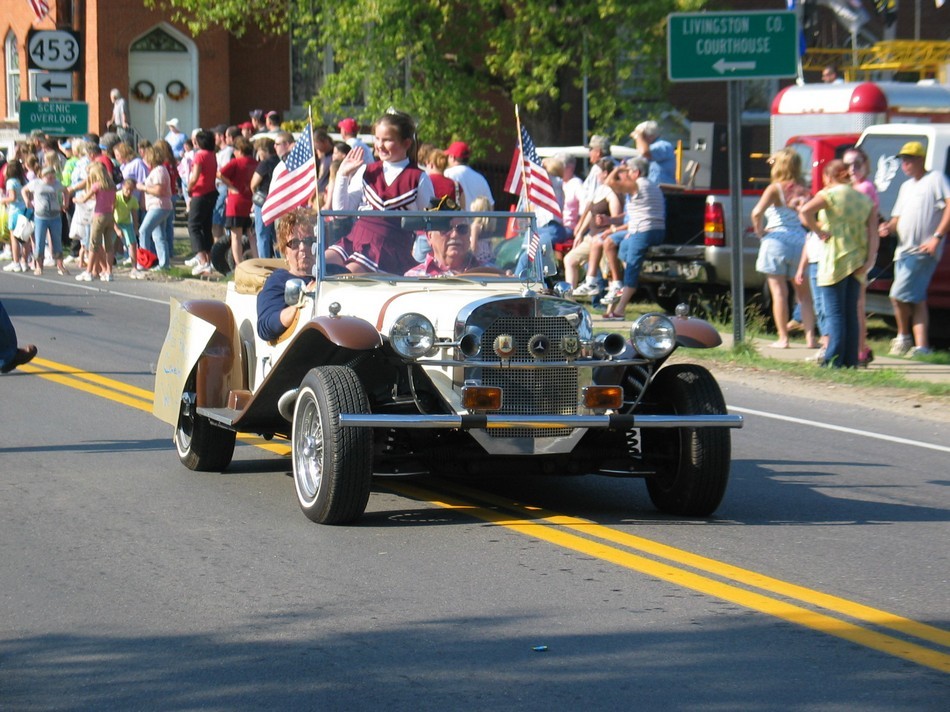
[921, 219]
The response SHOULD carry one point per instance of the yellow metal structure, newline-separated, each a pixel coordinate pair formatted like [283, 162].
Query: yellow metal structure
[929, 59]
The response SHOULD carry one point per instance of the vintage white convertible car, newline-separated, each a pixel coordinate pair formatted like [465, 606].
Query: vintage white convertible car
[474, 374]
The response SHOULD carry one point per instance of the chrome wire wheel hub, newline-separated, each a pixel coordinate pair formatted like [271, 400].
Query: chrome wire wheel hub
[309, 453]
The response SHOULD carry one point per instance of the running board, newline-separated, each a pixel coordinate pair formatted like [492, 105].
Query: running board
[222, 416]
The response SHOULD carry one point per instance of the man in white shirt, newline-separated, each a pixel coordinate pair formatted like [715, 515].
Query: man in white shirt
[473, 183]
[120, 116]
[921, 219]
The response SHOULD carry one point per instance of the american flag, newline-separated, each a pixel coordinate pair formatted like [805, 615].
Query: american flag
[40, 8]
[294, 181]
[540, 191]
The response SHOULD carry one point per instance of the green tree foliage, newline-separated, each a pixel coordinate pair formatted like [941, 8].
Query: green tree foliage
[453, 63]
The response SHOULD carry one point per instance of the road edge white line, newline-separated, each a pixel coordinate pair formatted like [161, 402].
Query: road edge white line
[840, 429]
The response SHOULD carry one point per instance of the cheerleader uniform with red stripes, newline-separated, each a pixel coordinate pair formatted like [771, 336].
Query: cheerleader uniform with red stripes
[380, 244]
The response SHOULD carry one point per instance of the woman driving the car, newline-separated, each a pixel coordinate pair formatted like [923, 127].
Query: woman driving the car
[295, 241]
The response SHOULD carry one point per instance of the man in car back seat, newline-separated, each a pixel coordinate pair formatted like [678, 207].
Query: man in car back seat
[295, 241]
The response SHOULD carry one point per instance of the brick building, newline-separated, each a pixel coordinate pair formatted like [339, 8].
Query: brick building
[207, 79]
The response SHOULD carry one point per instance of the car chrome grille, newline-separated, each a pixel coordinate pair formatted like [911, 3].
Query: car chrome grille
[550, 391]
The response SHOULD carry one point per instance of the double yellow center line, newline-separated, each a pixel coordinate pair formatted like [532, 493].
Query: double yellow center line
[867, 626]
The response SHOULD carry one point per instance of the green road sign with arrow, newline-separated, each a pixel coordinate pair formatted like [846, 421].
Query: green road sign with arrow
[716, 46]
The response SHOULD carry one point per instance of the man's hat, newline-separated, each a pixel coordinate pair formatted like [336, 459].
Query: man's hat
[914, 149]
[348, 126]
[172, 122]
[459, 150]
[446, 202]
[436, 205]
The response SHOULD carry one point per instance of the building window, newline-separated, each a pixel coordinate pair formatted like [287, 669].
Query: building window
[158, 41]
[12, 64]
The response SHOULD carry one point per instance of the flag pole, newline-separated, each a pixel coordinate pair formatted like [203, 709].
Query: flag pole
[524, 174]
[316, 166]
[525, 177]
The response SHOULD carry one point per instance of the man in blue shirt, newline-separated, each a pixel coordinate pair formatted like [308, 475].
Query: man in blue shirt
[659, 152]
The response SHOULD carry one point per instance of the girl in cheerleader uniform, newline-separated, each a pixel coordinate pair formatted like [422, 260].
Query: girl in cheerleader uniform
[393, 183]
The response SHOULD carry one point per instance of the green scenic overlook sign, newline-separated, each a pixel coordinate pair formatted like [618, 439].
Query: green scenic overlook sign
[62, 118]
[716, 46]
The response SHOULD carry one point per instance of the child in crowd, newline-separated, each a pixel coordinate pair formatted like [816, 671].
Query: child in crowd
[126, 216]
[101, 190]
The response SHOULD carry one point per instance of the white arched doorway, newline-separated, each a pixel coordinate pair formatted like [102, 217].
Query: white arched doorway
[162, 63]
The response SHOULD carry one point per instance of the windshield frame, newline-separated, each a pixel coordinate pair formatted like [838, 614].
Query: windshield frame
[420, 218]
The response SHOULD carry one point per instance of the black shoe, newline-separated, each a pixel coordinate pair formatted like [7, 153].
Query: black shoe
[24, 355]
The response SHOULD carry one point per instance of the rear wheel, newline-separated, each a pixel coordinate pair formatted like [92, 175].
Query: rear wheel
[332, 464]
[201, 446]
[695, 470]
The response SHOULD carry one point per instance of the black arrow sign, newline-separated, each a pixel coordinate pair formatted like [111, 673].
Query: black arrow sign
[49, 85]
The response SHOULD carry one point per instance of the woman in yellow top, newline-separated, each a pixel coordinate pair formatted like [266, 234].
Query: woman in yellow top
[849, 231]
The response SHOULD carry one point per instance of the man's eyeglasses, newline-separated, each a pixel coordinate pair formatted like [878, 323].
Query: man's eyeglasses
[462, 229]
[296, 242]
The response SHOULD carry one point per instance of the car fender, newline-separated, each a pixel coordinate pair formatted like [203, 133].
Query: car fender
[201, 335]
[695, 333]
[321, 341]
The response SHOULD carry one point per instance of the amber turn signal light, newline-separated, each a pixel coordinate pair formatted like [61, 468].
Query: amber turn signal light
[479, 398]
[603, 397]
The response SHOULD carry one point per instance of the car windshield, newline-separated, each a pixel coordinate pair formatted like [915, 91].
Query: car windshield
[427, 245]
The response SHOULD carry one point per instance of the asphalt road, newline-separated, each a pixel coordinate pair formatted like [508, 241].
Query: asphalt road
[129, 582]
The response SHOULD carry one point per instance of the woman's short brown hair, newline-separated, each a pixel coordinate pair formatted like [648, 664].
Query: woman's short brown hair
[291, 223]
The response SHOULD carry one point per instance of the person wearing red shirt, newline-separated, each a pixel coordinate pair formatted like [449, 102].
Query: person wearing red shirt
[204, 194]
[236, 176]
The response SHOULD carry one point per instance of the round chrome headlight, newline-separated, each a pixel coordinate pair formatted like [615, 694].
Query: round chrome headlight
[412, 336]
[653, 336]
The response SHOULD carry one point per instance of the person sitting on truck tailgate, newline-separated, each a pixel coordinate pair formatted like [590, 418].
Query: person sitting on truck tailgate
[921, 218]
[849, 231]
[645, 225]
[658, 151]
[589, 235]
[783, 238]
[598, 148]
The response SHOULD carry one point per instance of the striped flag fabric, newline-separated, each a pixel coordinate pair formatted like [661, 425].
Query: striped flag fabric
[294, 181]
[40, 8]
[539, 189]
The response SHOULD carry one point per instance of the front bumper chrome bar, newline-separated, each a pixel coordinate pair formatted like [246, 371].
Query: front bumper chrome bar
[539, 422]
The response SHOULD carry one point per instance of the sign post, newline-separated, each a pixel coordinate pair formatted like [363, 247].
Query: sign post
[61, 118]
[733, 46]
